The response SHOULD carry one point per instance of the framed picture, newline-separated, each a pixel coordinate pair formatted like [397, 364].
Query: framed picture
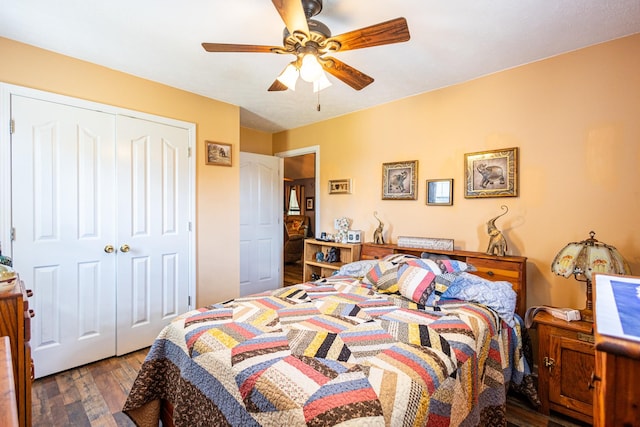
[440, 192]
[309, 203]
[399, 180]
[340, 186]
[491, 173]
[217, 153]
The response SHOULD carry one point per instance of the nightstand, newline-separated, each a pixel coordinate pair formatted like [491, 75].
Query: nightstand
[566, 361]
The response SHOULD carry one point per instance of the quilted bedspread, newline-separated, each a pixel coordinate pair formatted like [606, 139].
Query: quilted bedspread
[330, 353]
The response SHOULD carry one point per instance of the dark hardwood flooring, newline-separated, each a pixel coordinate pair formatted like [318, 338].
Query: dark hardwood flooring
[93, 395]
[292, 273]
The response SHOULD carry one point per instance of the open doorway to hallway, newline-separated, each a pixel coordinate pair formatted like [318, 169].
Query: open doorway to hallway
[300, 204]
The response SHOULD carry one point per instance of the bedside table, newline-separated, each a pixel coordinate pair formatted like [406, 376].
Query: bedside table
[566, 360]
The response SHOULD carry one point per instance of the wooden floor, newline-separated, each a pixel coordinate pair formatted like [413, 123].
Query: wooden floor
[93, 395]
[293, 273]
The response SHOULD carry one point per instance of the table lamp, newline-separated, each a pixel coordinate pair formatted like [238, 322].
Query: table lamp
[582, 259]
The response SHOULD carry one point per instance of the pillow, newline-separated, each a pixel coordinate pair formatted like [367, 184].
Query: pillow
[357, 269]
[429, 255]
[419, 278]
[384, 274]
[499, 296]
[384, 277]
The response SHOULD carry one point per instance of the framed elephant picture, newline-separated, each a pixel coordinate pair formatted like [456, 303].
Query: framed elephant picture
[400, 180]
[491, 173]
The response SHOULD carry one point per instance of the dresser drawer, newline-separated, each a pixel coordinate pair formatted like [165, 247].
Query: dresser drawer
[375, 252]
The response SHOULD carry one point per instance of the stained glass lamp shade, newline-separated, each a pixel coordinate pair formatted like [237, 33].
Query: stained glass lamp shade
[582, 259]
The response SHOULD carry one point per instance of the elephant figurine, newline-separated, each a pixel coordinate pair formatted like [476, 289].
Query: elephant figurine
[497, 243]
[378, 239]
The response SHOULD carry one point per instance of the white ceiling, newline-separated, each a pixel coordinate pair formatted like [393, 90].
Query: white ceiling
[452, 41]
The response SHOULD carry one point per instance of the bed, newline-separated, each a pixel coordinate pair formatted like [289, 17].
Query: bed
[397, 341]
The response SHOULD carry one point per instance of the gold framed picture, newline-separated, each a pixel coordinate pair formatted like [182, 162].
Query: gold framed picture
[340, 186]
[491, 173]
[217, 153]
[399, 180]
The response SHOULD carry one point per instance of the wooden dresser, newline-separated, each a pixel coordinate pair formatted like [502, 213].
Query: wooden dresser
[15, 322]
[512, 269]
[616, 379]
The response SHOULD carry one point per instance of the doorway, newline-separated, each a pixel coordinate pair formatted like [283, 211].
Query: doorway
[300, 201]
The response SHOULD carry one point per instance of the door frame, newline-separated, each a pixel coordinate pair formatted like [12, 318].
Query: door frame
[7, 90]
[313, 149]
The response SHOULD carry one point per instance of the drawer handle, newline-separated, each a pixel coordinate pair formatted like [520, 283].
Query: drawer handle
[490, 273]
[29, 293]
[32, 313]
[592, 381]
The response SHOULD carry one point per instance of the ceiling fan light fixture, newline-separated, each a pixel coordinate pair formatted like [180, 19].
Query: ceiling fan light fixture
[289, 76]
[310, 70]
[322, 83]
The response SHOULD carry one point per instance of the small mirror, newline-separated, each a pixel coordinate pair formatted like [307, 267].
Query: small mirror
[440, 192]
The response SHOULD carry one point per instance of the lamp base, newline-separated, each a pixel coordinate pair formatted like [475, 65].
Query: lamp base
[586, 315]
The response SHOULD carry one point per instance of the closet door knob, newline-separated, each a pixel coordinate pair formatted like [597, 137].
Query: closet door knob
[109, 249]
[124, 248]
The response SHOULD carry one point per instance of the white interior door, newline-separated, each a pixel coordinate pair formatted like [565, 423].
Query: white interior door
[153, 223]
[63, 165]
[261, 228]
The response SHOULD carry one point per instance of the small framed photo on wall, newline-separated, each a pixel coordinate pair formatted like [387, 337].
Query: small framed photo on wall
[217, 153]
[340, 186]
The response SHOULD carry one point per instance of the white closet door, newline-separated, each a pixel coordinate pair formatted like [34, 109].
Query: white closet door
[153, 221]
[63, 211]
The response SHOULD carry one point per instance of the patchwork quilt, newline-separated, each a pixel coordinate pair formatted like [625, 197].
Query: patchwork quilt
[331, 353]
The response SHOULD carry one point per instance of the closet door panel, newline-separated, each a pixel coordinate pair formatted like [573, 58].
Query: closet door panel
[63, 171]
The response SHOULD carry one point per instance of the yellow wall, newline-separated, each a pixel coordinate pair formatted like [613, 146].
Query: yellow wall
[217, 211]
[255, 141]
[576, 121]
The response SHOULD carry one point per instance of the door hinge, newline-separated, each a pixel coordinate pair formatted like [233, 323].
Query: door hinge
[190, 226]
[12, 235]
[189, 152]
[12, 126]
[189, 300]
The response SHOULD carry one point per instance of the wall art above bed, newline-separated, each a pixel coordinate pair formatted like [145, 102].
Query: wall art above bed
[491, 173]
[399, 180]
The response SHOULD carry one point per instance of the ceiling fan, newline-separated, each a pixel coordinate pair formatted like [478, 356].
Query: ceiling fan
[311, 40]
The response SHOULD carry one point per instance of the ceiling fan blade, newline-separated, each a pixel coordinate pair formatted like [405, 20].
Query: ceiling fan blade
[292, 14]
[393, 31]
[354, 78]
[277, 86]
[224, 47]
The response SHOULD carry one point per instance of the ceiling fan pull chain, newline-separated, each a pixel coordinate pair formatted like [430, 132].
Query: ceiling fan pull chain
[318, 107]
